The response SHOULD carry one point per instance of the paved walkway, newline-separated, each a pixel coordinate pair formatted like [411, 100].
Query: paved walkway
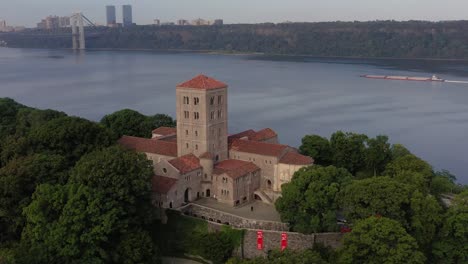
[261, 211]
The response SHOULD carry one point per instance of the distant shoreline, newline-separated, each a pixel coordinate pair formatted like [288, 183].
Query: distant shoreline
[238, 53]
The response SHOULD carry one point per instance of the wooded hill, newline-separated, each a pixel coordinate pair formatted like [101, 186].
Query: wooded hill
[410, 39]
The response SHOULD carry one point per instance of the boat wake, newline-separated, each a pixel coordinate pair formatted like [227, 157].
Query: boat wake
[448, 81]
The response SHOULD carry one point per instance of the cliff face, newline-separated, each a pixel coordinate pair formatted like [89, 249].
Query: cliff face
[412, 39]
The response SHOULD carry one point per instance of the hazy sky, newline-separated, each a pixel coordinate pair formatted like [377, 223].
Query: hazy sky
[29, 12]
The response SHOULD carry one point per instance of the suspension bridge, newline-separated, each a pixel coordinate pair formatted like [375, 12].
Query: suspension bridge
[77, 21]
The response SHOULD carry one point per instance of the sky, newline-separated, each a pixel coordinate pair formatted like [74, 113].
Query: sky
[29, 12]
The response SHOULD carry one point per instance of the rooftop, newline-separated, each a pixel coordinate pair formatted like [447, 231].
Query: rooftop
[149, 145]
[161, 184]
[264, 134]
[165, 131]
[294, 158]
[260, 148]
[235, 168]
[186, 163]
[203, 82]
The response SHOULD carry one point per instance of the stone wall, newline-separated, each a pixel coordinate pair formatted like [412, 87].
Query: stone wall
[220, 217]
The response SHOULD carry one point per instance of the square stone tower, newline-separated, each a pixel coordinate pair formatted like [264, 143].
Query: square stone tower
[202, 120]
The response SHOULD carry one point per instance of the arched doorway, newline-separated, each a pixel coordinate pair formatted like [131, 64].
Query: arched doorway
[268, 184]
[208, 193]
[188, 195]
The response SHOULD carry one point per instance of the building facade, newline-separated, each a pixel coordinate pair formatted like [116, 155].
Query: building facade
[127, 16]
[199, 158]
[110, 15]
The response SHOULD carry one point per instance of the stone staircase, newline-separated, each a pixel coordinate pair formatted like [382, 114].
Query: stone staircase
[265, 198]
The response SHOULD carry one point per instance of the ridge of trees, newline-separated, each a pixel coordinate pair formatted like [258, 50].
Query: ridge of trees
[408, 39]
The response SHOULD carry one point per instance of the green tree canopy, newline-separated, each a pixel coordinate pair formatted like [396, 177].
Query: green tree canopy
[411, 170]
[28, 119]
[18, 181]
[377, 154]
[379, 240]
[71, 137]
[318, 148]
[123, 176]
[284, 257]
[451, 245]
[309, 201]
[8, 111]
[349, 151]
[132, 123]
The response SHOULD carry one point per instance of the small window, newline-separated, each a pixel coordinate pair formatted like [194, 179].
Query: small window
[196, 100]
[206, 176]
[212, 100]
[196, 115]
[196, 147]
[217, 157]
[186, 132]
[212, 115]
[196, 133]
[164, 170]
[219, 114]
[187, 145]
[186, 114]
[220, 99]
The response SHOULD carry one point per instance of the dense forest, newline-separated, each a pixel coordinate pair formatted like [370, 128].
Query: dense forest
[411, 39]
[70, 194]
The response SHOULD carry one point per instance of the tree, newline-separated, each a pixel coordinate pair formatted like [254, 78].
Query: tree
[412, 170]
[18, 181]
[348, 151]
[398, 150]
[309, 201]
[444, 182]
[375, 196]
[29, 118]
[451, 245]
[8, 110]
[285, 257]
[136, 247]
[123, 176]
[127, 122]
[160, 120]
[318, 148]
[71, 137]
[377, 154]
[379, 240]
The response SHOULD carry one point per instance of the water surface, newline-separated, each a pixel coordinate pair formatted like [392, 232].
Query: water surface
[293, 95]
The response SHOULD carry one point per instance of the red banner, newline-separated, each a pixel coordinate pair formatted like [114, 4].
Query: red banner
[284, 241]
[259, 240]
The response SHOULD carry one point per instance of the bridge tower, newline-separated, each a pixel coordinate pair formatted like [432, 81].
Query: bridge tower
[78, 34]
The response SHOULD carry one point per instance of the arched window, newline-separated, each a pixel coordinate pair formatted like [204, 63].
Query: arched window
[212, 100]
[196, 100]
[196, 115]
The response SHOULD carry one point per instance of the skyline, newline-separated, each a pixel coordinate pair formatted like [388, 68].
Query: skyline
[242, 11]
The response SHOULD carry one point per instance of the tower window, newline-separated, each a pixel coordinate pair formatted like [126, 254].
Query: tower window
[196, 147]
[196, 133]
[220, 99]
[219, 114]
[212, 115]
[196, 100]
[186, 100]
[187, 145]
[196, 115]
[212, 100]
[186, 132]
[186, 114]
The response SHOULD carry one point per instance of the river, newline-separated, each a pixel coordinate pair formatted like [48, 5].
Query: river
[293, 95]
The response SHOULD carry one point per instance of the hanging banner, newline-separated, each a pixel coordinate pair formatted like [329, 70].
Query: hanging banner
[284, 241]
[260, 240]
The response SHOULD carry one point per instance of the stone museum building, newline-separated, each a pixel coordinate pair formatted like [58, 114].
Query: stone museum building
[200, 158]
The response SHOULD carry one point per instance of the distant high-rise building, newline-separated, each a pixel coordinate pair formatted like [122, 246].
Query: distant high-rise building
[218, 22]
[64, 22]
[182, 22]
[111, 18]
[127, 15]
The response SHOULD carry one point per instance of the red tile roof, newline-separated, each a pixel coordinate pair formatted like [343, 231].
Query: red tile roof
[248, 134]
[165, 131]
[162, 185]
[203, 82]
[264, 134]
[149, 145]
[186, 164]
[235, 168]
[260, 148]
[294, 158]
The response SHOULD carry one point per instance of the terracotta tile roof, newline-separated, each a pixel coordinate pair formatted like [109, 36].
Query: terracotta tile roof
[235, 168]
[294, 158]
[206, 155]
[248, 133]
[149, 145]
[161, 184]
[203, 82]
[264, 134]
[186, 164]
[260, 148]
[165, 131]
